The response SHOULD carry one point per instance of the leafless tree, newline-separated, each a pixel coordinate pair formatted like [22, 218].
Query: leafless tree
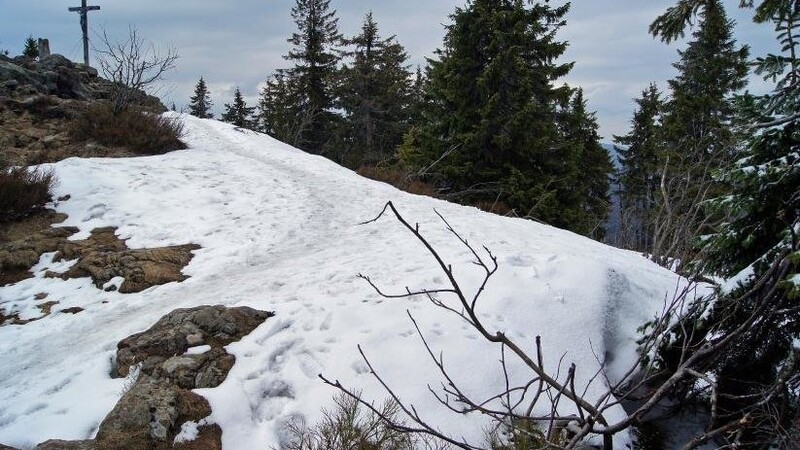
[572, 417]
[133, 64]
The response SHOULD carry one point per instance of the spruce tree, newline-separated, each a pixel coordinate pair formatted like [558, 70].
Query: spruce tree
[279, 112]
[763, 232]
[314, 72]
[490, 118]
[587, 187]
[698, 134]
[200, 103]
[639, 177]
[374, 94]
[31, 48]
[238, 113]
[756, 250]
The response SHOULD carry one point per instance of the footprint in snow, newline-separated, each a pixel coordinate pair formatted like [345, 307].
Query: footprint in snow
[326, 324]
[309, 365]
[35, 408]
[360, 367]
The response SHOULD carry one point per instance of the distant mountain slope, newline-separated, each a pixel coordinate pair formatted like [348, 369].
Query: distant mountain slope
[281, 230]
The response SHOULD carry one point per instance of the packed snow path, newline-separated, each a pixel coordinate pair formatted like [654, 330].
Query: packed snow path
[279, 231]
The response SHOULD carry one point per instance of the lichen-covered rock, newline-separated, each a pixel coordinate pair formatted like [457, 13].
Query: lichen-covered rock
[150, 414]
[58, 444]
[216, 326]
[104, 256]
[23, 242]
[38, 99]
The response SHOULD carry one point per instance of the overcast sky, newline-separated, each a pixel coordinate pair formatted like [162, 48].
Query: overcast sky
[240, 42]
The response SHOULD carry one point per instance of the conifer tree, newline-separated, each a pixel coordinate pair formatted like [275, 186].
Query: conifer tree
[314, 72]
[238, 113]
[279, 112]
[586, 194]
[31, 48]
[200, 103]
[490, 129]
[698, 133]
[374, 95]
[639, 152]
[757, 249]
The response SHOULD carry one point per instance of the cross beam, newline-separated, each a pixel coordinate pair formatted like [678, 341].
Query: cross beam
[83, 10]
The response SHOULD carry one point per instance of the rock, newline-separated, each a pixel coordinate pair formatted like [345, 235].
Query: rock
[40, 296]
[104, 256]
[150, 414]
[22, 243]
[57, 444]
[72, 310]
[195, 339]
[46, 95]
[169, 338]
[6, 447]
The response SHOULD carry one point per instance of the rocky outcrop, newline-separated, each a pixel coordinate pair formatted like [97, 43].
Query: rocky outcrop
[161, 349]
[38, 99]
[59, 77]
[23, 242]
[151, 414]
[103, 256]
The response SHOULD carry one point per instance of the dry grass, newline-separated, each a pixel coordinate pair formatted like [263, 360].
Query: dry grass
[350, 426]
[23, 191]
[138, 131]
[398, 178]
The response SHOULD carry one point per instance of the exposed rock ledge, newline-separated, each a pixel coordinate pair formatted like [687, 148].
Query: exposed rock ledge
[151, 414]
[103, 257]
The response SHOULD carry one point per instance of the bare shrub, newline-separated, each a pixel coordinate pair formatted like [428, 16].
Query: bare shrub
[23, 191]
[552, 406]
[140, 132]
[134, 65]
[350, 427]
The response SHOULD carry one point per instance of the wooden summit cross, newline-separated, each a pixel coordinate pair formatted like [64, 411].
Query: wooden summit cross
[83, 10]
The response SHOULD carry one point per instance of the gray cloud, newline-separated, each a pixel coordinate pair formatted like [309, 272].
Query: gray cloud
[240, 42]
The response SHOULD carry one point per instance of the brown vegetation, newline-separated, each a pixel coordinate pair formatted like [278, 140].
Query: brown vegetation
[398, 178]
[23, 191]
[141, 132]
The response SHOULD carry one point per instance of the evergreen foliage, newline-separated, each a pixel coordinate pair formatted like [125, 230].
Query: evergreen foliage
[489, 131]
[31, 48]
[238, 113]
[374, 94]
[314, 73]
[639, 176]
[698, 134]
[588, 201]
[758, 245]
[279, 109]
[200, 103]
[765, 197]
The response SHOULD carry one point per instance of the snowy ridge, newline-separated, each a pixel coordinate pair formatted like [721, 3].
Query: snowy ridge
[279, 231]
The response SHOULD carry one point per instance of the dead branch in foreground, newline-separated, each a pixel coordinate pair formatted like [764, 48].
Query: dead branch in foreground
[571, 417]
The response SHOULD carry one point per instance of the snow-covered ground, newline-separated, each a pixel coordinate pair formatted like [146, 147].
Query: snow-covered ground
[280, 230]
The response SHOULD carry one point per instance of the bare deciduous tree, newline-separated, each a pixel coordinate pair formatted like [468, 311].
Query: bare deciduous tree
[572, 417]
[133, 64]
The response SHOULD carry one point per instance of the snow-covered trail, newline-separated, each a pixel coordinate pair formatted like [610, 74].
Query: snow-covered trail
[279, 230]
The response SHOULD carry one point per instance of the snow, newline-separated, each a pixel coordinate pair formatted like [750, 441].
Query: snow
[189, 432]
[198, 350]
[280, 230]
